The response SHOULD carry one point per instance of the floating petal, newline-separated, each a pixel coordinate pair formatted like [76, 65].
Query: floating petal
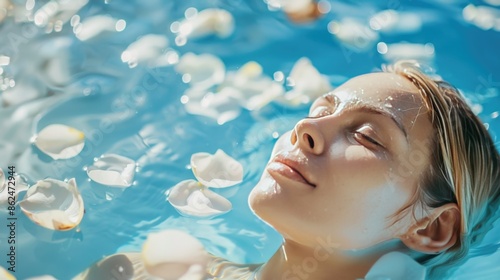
[255, 90]
[54, 204]
[191, 198]
[94, 26]
[60, 141]
[391, 21]
[204, 70]
[5, 275]
[222, 106]
[209, 21]
[56, 13]
[146, 49]
[173, 254]
[308, 84]
[112, 170]
[353, 34]
[484, 17]
[218, 170]
[299, 10]
[420, 52]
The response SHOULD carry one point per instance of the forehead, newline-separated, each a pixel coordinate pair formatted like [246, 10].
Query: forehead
[380, 88]
[389, 92]
[384, 90]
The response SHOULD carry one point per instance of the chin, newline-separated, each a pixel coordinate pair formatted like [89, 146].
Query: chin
[263, 194]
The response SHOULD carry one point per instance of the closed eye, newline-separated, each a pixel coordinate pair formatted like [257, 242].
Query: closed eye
[366, 140]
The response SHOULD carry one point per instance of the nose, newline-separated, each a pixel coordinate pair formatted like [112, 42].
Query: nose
[307, 135]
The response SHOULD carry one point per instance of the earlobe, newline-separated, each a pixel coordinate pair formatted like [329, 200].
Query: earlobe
[435, 233]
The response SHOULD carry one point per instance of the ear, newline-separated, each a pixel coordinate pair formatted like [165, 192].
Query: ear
[435, 233]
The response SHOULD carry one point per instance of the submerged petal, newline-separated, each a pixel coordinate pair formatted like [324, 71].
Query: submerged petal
[191, 198]
[204, 70]
[112, 170]
[173, 254]
[218, 170]
[60, 141]
[54, 204]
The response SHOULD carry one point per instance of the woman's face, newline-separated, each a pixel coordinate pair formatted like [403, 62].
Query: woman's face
[345, 172]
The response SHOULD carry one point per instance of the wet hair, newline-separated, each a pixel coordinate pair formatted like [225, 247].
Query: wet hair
[464, 165]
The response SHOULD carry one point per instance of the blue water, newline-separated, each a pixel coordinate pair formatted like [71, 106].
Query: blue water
[151, 126]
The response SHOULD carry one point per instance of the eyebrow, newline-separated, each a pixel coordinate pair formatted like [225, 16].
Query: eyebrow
[374, 110]
[379, 111]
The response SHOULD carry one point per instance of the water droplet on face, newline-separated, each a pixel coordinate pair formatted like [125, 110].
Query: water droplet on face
[388, 105]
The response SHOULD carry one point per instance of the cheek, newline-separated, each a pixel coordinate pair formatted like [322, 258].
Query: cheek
[282, 144]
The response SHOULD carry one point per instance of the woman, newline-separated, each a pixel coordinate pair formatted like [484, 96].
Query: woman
[387, 162]
[391, 161]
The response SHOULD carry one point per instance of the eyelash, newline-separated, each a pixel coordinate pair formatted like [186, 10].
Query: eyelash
[367, 138]
[325, 111]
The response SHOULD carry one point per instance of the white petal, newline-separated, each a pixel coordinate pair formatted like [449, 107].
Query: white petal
[218, 170]
[421, 52]
[60, 141]
[146, 49]
[5, 275]
[94, 26]
[112, 170]
[256, 89]
[222, 106]
[203, 71]
[209, 21]
[173, 254]
[353, 34]
[54, 204]
[308, 84]
[191, 198]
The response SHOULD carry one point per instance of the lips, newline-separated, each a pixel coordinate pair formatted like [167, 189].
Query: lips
[289, 168]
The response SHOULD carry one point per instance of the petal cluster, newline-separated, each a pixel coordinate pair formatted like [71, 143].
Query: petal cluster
[194, 198]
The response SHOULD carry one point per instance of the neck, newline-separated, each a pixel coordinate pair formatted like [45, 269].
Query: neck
[299, 262]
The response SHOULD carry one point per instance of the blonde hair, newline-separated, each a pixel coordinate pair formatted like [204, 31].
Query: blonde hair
[465, 163]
